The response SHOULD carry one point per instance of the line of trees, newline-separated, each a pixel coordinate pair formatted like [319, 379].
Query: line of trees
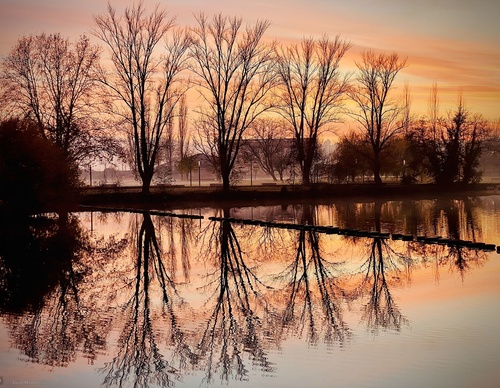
[278, 100]
[442, 149]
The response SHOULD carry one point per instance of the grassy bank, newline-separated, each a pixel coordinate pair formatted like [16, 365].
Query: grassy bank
[186, 197]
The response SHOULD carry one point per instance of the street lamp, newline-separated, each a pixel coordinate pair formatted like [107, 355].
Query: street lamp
[404, 170]
[199, 173]
[251, 173]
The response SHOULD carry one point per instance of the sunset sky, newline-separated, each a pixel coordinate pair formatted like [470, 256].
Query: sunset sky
[454, 43]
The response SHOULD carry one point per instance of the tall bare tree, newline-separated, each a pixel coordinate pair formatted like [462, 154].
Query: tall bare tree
[183, 134]
[433, 111]
[165, 157]
[378, 114]
[51, 81]
[407, 117]
[234, 74]
[145, 81]
[311, 92]
[183, 128]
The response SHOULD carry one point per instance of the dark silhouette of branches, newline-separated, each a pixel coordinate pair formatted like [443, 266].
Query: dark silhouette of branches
[233, 327]
[52, 82]
[269, 144]
[449, 148]
[139, 357]
[311, 92]
[35, 173]
[457, 221]
[233, 69]
[309, 280]
[380, 116]
[58, 319]
[381, 311]
[144, 85]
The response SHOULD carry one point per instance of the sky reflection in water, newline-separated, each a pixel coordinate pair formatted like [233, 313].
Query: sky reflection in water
[137, 298]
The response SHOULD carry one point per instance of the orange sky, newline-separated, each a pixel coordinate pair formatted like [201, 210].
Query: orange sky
[454, 43]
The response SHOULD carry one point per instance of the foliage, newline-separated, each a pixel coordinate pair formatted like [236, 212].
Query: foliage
[187, 164]
[450, 148]
[35, 174]
[347, 159]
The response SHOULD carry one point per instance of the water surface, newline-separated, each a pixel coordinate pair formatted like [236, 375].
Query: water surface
[206, 297]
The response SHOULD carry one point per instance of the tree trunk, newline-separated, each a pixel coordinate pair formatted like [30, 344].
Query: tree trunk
[225, 182]
[146, 183]
[306, 180]
[306, 171]
[376, 171]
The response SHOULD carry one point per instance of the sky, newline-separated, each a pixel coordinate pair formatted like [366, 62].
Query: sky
[453, 43]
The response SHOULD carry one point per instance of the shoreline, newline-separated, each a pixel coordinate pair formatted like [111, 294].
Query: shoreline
[172, 196]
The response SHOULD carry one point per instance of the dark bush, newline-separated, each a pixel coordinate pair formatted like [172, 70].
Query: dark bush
[34, 173]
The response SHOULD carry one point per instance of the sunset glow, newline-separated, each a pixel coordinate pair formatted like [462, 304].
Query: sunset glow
[451, 43]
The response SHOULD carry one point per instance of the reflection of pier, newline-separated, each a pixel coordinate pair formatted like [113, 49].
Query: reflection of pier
[321, 229]
[363, 233]
[151, 212]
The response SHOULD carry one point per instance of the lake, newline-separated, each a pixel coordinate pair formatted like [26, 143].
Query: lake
[384, 294]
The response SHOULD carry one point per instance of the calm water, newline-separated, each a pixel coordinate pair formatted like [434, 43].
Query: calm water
[154, 299]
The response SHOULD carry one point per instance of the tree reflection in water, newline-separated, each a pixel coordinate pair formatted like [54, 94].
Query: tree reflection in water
[139, 357]
[233, 327]
[382, 262]
[62, 291]
[45, 263]
[184, 228]
[457, 221]
[307, 280]
[381, 311]
[463, 225]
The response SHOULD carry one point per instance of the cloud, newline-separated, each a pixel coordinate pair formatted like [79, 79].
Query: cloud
[453, 43]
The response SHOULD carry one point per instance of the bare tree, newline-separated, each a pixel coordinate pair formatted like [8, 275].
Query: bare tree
[165, 157]
[205, 143]
[311, 92]
[407, 118]
[183, 128]
[434, 111]
[233, 331]
[269, 146]
[183, 131]
[51, 81]
[145, 84]
[234, 74]
[378, 114]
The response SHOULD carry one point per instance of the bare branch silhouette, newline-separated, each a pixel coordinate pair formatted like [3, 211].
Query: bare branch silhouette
[233, 327]
[139, 357]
